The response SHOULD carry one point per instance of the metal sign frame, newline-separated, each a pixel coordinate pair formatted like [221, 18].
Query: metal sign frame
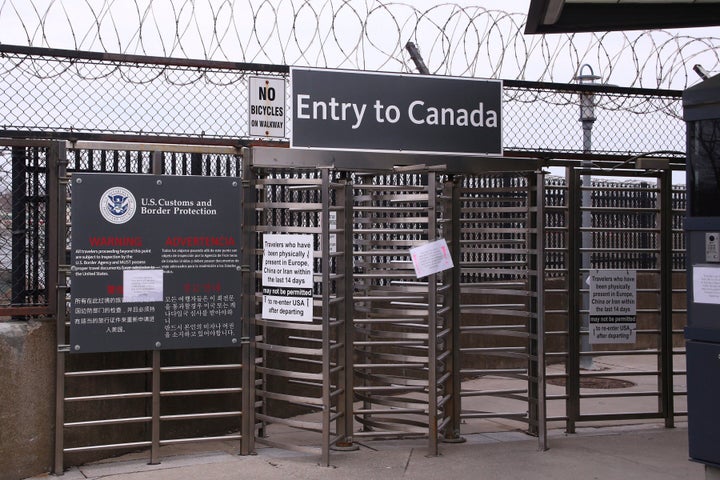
[382, 112]
[155, 262]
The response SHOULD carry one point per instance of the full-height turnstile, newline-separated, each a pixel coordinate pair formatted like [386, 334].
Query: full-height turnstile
[403, 324]
[384, 354]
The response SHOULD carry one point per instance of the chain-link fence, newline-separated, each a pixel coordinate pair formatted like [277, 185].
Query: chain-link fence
[546, 118]
[86, 95]
[82, 95]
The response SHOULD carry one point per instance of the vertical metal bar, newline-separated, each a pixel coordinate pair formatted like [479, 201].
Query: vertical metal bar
[155, 444]
[586, 236]
[666, 294]
[533, 330]
[19, 221]
[573, 252]
[432, 322]
[54, 224]
[196, 164]
[537, 259]
[60, 409]
[247, 443]
[57, 179]
[157, 169]
[645, 221]
[364, 351]
[157, 163]
[345, 261]
[37, 256]
[455, 403]
[327, 380]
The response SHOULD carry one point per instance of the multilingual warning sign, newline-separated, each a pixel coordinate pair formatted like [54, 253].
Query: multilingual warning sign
[287, 277]
[612, 306]
[155, 262]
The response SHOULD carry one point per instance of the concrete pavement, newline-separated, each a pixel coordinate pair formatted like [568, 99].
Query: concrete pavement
[628, 452]
[495, 448]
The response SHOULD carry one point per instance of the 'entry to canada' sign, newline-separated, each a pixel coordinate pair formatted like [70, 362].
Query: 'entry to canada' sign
[371, 111]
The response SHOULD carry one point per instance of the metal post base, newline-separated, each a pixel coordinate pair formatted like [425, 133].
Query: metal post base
[345, 447]
[458, 439]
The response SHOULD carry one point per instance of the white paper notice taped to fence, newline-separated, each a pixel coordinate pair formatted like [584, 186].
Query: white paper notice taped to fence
[142, 286]
[612, 306]
[706, 284]
[287, 278]
[432, 257]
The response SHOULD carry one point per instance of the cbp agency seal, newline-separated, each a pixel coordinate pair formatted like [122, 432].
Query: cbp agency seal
[117, 205]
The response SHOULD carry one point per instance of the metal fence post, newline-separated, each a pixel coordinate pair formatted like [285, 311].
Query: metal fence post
[326, 352]
[572, 386]
[157, 169]
[432, 322]
[19, 224]
[57, 190]
[666, 296]
[537, 304]
[345, 261]
[452, 434]
[247, 445]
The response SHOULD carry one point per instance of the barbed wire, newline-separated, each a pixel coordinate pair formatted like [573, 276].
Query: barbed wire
[367, 35]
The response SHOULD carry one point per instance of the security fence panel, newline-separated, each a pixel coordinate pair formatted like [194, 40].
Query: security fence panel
[299, 305]
[25, 274]
[616, 285]
[357, 344]
[500, 351]
[122, 401]
[172, 100]
[402, 318]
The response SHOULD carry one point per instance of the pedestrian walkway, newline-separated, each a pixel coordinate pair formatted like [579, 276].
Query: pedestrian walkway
[628, 452]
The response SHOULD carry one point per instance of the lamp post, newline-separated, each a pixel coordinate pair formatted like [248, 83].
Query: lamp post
[587, 119]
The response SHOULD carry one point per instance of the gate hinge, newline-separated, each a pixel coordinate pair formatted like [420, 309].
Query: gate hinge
[63, 349]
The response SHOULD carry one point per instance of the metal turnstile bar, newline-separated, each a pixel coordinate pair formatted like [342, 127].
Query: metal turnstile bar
[112, 446]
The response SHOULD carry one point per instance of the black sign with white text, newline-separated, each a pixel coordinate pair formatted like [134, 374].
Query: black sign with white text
[155, 262]
[345, 110]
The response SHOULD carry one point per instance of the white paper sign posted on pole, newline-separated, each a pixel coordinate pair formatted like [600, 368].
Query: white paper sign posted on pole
[706, 284]
[287, 277]
[432, 257]
[142, 286]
